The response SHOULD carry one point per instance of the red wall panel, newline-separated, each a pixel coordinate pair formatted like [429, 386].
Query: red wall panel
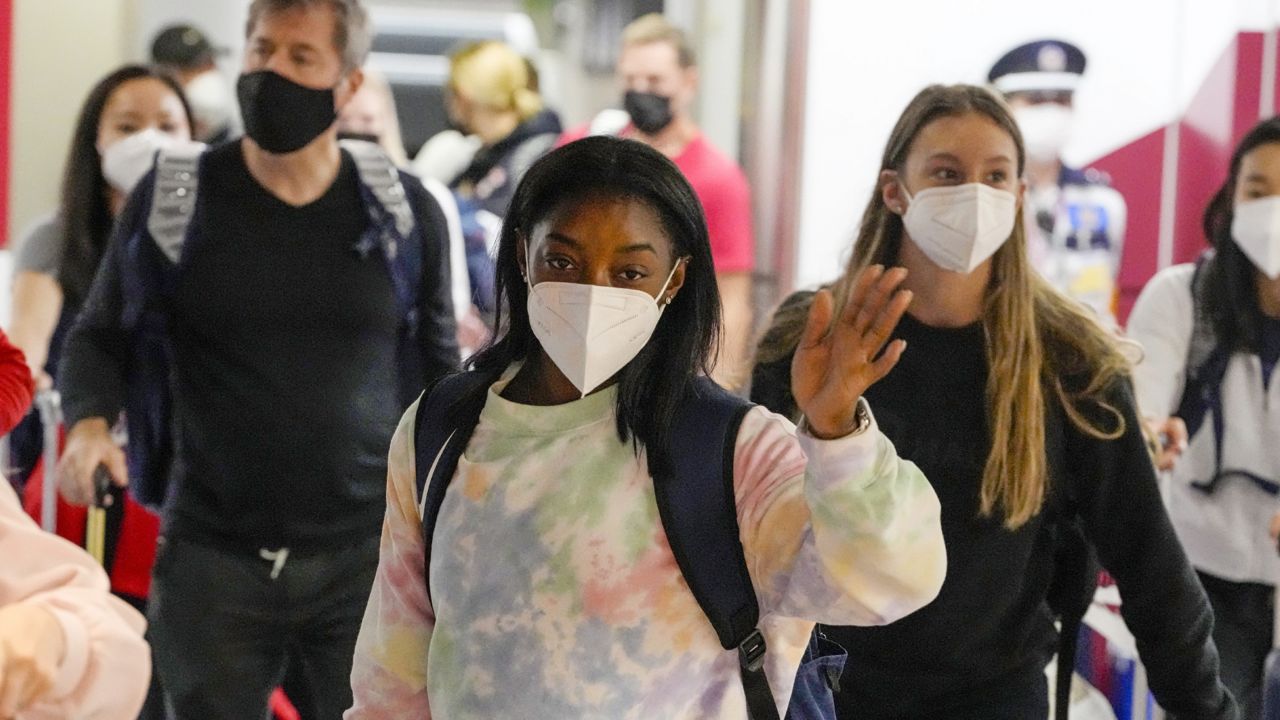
[1224, 108]
[1135, 171]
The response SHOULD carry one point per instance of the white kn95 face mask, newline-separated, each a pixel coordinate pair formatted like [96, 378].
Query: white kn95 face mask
[959, 226]
[590, 331]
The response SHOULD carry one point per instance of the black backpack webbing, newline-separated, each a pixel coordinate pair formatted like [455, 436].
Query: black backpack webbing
[1075, 580]
[695, 501]
[699, 515]
[1202, 394]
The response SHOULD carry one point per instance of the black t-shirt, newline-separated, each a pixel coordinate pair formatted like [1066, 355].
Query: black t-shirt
[990, 627]
[284, 342]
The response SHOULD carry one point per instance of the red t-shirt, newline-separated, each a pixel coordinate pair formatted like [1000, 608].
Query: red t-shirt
[726, 200]
[16, 385]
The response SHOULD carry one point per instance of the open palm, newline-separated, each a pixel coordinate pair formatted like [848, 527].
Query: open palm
[838, 359]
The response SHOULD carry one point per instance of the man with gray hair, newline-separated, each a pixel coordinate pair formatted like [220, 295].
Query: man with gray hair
[264, 313]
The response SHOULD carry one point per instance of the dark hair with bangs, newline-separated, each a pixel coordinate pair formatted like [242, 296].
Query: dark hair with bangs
[1232, 297]
[653, 384]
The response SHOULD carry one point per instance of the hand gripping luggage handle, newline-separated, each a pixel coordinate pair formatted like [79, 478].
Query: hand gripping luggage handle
[95, 532]
[49, 405]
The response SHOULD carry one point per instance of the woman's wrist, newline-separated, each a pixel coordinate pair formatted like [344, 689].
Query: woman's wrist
[858, 424]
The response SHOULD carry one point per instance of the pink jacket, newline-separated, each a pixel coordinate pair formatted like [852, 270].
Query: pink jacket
[107, 666]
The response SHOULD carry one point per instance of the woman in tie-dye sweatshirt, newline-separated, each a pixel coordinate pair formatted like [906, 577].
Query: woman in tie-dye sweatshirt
[553, 591]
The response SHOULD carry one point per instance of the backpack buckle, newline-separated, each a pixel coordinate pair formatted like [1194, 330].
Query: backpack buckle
[751, 651]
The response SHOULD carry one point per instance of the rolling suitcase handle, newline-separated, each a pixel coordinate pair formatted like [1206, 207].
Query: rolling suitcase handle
[95, 531]
[49, 405]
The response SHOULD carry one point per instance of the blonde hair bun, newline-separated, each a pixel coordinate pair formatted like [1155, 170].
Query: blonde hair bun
[492, 74]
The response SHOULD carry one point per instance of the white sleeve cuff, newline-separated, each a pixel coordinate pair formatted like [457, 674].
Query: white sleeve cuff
[832, 462]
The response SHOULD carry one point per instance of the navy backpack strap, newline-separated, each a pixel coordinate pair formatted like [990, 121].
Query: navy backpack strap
[699, 514]
[1206, 362]
[1207, 365]
[447, 415]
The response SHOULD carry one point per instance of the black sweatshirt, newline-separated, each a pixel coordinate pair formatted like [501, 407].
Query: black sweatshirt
[990, 624]
[285, 371]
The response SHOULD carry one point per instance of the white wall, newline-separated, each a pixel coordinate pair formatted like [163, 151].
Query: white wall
[222, 21]
[61, 48]
[720, 35]
[1146, 58]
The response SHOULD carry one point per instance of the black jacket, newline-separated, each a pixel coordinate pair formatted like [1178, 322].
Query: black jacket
[991, 621]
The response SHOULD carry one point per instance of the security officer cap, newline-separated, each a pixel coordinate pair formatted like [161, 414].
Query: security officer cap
[1043, 65]
[182, 46]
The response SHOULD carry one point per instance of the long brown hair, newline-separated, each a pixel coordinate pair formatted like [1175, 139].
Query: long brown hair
[1036, 338]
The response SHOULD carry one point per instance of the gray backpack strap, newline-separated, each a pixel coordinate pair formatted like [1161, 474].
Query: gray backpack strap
[380, 175]
[174, 199]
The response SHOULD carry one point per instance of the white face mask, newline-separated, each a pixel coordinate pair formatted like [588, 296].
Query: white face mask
[591, 332]
[212, 105]
[959, 226]
[1046, 128]
[1256, 229]
[125, 161]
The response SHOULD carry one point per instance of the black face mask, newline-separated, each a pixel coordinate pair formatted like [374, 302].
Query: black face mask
[649, 112]
[280, 115]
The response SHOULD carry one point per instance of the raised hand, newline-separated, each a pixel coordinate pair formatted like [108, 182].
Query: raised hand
[837, 360]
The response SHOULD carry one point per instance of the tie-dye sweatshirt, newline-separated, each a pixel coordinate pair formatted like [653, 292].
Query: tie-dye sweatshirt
[554, 593]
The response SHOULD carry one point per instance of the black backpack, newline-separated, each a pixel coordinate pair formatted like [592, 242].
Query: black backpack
[698, 512]
[1207, 362]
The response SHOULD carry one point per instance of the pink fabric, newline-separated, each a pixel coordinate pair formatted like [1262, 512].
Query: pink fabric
[726, 200]
[107, 665]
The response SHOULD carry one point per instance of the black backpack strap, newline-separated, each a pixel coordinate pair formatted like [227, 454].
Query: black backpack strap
[1075, 565]
[447, 415]
[1206, 362]
[699, 514]
[1206, 367]
[1067, 642]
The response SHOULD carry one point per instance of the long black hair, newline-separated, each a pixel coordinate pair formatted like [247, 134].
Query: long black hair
[84, 208]
[1232, 297]
[684, 344]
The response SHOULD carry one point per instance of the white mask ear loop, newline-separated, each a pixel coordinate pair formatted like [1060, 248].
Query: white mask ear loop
[902, 185]
[524, 273]
[661, 292]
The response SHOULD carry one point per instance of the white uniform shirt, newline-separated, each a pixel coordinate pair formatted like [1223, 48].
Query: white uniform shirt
[1224, 534]
[1081, 254]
